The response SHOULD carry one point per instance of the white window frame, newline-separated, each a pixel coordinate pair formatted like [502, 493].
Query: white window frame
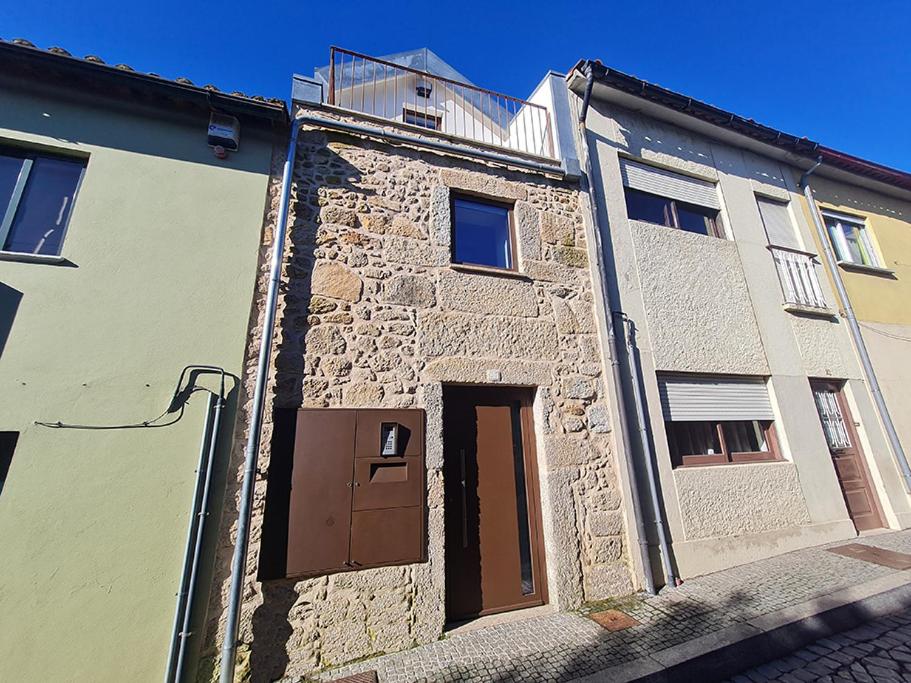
[8, 213]
[840, 242]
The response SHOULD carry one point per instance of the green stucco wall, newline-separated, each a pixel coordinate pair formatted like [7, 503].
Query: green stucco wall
[161, 250]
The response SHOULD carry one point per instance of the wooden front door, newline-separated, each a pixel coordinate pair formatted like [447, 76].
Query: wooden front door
[494, 559]
[850, 468]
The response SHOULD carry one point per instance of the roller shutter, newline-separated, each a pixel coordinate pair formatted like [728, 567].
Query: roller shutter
[777, 222]
[701, 398]
[667, 184]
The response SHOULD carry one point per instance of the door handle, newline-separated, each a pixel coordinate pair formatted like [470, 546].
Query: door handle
[464, 500]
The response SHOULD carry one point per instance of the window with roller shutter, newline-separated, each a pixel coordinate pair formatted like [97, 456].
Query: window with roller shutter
[714, 420]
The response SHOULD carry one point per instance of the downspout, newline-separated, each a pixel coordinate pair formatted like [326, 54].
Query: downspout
[869, 374]
[612, 355]
[183, 611]
[642, 421]
[239, 559]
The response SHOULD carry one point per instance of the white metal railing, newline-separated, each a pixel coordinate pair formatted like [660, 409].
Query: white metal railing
[797, 274]
[418, 98]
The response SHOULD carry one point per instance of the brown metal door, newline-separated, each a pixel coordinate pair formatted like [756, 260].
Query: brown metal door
[850, 468]
[494, 561]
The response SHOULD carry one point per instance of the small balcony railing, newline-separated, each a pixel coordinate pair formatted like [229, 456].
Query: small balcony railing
[797, 273]
[420, 99]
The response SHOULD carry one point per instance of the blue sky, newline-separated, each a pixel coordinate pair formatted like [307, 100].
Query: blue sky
[835, 71]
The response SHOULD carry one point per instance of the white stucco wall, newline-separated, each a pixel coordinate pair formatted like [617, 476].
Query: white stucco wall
[715, 306]
[697, 306]
[739, 499]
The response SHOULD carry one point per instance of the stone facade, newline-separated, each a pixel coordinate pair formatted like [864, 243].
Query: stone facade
[372, 314]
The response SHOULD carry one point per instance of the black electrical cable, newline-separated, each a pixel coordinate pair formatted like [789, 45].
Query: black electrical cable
[177, 404]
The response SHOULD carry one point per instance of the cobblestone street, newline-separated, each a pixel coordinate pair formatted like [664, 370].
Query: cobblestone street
[876, 652]
[569, 646]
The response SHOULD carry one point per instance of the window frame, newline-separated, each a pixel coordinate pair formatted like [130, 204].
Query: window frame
[8, 214]
[417, 113]
[859, 226]
[510, 232]
[726, 457]
[671, 216]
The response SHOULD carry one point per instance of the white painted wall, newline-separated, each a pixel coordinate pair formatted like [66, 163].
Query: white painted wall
[715, 306]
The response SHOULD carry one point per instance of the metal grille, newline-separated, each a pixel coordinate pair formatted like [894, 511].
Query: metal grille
[424, 100]
[797, 273]
[833, 422]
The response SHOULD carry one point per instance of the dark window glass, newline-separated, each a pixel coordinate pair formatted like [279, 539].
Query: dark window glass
[44, 207]
[696, 219]
[700, 443]
[744, 437]
[481, 233]
[525, 570]
[693, 438]
[642, 206]
[424, 120]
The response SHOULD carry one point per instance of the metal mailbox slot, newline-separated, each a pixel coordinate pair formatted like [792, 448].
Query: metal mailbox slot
[357, 490]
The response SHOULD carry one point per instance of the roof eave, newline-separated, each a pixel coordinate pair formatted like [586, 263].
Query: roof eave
[55, 64]
[706, 113]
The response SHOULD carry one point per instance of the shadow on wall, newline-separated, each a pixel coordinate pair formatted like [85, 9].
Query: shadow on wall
[9, 305]
[319, 173]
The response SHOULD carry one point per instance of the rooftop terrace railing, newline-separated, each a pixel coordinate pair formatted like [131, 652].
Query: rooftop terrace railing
[423, 100]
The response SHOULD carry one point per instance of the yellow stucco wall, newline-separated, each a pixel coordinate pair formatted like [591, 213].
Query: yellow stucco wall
[162, 251]
[875, 298]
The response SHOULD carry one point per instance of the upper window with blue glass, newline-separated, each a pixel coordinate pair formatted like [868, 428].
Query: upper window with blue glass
[36, 199]
[482, 233]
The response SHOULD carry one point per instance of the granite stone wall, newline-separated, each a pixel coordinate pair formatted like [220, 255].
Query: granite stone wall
[373, 314]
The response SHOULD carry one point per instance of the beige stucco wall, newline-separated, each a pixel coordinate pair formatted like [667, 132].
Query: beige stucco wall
[698, 308]
[709, 305]
[733, 501]
[161, 257]
[373, 315]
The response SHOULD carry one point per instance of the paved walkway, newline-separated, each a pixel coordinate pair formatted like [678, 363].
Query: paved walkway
[876, 652]
[567, 646]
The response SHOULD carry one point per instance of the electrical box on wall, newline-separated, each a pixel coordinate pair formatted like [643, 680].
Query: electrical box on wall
[224, 131]
[357, 491]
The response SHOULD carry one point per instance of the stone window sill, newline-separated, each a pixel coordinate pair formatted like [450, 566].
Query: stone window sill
[863, 268]
[488, 270]
[32, 258]
[801, 309]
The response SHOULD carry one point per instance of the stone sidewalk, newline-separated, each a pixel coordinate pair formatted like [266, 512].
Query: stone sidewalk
[877, 652]
[569, 646]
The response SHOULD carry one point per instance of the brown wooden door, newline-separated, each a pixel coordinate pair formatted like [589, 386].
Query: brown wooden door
[494, 561]
[847, 458]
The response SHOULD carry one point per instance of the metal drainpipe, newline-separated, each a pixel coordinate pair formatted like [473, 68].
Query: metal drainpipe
[195, 531]
[869, 373]
[239, 559]
[251, 453]
[172, 673]
[616, 375]
[641, 419]
[185, 632]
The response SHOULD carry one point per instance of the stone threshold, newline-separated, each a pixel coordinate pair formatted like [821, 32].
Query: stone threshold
[721, 654]
[459, 627]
